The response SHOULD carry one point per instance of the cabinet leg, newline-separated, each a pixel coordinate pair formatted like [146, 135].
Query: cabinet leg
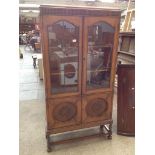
[110, 131]
[46, 135]
[49, 149]
[101, 129]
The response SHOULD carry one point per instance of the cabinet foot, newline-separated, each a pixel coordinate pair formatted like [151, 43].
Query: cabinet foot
[110, 131]
[106, 130]
[49, 149]
[101, 129]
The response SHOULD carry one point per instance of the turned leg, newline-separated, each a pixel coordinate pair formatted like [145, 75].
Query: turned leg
[110, 131]
[101, 129]
[46, 135]
[49, 149]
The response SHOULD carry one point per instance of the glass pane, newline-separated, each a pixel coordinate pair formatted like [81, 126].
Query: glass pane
[100, 45]
[63, 52]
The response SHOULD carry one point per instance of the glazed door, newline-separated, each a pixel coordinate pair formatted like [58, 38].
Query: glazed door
[63, 55]
[99, 56]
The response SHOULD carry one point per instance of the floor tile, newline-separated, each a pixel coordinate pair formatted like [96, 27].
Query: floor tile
[41, 95]
[28, 79]
[29, 86]
[28, 95]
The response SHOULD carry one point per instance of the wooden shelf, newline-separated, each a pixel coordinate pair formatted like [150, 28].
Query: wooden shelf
[100, 45]
[127, 53]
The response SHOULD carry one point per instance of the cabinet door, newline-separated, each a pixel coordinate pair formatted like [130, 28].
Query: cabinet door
[99, 59]
[97, 108]
[64, 112]
[62, 54]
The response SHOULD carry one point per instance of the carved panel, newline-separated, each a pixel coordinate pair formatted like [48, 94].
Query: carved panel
[96, 107]
[65, 111]
[77, 11]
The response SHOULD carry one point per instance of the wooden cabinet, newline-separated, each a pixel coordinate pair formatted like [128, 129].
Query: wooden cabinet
[126, 100]
[79, 55]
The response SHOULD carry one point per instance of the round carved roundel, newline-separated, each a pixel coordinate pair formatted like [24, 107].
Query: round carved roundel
[96, 107]
[69, 71]
[64, 112]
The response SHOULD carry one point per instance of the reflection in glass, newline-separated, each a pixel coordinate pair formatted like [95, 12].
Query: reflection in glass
[63, 51]
[100, 45]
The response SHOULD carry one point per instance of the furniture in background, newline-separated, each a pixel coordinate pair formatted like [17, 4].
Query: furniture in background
[39, 62]
[126, 99]
[25, 27]
[37, 46]
[40, 66]
[126, 49]
[79, 46]
[129, 22]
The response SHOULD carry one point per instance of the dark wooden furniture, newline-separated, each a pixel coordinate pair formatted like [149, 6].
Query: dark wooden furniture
[126, 99]
[79, 47]
[27, 23]
[126, 49]
[37, 46]
[26, 27]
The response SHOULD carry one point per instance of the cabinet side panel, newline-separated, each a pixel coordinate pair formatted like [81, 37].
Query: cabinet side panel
[126, 101]
[44, 66]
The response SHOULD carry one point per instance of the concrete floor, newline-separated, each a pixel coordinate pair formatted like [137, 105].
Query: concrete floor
[33, 141]
[30, 86]
[32, 121]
